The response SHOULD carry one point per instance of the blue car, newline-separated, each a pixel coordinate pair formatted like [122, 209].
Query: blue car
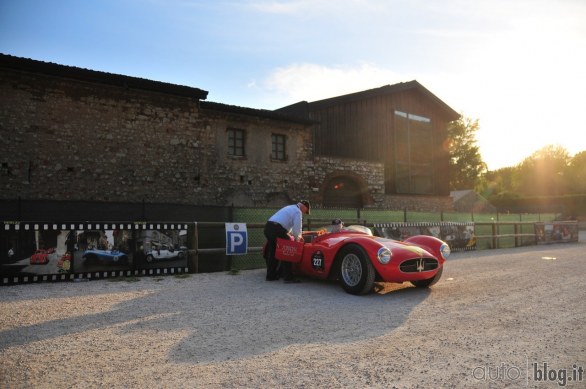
[113, 256]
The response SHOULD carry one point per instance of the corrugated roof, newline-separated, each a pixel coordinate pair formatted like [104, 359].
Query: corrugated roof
[93, 76]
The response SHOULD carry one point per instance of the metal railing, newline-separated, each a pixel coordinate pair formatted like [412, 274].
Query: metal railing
[495, 234]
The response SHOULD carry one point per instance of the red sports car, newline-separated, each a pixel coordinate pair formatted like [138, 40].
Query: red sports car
[39, 257]
[357, 258]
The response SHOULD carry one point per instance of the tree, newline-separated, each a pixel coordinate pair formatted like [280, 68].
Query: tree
[576, 174]
[503, 180]
[543, 173]
[466, 164]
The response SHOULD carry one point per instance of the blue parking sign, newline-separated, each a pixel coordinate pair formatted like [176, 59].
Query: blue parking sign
[236, 239]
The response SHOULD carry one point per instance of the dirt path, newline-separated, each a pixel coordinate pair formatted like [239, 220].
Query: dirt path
[493, 321]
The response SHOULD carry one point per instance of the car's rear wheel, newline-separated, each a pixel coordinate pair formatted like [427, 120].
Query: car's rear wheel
[430, 281]
[356, 273]
[149, 258]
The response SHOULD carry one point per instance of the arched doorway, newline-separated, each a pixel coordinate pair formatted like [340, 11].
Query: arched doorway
[342, 191]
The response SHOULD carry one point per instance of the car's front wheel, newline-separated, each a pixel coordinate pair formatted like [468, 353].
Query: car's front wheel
[356, 272]
[149, 258]
[430, 281]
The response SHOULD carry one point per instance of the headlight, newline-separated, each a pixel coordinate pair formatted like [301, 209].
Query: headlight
[384, 255]
[445, 251]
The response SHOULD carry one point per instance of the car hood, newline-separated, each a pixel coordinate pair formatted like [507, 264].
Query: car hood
[405, 249]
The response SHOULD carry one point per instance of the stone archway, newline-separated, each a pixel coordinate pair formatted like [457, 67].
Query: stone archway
[343, 191]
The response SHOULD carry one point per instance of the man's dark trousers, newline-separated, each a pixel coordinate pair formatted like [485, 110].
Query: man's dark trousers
[273, 231]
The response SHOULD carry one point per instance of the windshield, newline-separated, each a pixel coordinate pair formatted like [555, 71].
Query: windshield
[354, 228]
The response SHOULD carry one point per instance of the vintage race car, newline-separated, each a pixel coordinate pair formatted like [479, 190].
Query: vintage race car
[164, 252]
[39, 257]
[113, 256]
[357, 258]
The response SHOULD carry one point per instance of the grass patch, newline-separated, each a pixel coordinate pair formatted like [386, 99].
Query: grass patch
[234, 272]
[182, 275]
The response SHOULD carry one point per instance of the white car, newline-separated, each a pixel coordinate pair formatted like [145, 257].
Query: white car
[164, 252]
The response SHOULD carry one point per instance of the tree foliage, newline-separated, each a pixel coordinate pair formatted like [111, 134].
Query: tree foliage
[466, 164]
[576, 174]
[549, 171]
[544, 172]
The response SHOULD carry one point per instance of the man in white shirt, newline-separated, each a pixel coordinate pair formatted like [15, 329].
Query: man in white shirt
[286, 223]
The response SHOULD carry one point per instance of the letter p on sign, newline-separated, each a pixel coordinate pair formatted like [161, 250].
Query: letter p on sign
[236, 239]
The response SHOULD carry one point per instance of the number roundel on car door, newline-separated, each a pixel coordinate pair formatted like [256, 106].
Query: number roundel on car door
[317, 261]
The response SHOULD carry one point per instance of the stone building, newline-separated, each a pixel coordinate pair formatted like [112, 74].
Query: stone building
[71, 134]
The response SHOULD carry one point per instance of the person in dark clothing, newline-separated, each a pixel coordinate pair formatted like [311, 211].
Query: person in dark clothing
[286, 223]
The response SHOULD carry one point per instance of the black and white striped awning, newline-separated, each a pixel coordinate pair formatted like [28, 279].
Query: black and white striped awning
[48, 226]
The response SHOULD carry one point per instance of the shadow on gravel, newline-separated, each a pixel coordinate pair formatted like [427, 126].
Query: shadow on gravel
[232, 317]
[273, 316]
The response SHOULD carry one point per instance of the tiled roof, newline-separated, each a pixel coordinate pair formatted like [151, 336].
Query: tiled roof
[56, 70]
[234, 109]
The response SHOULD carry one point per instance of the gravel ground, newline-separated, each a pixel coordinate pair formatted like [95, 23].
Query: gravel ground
[493, 321]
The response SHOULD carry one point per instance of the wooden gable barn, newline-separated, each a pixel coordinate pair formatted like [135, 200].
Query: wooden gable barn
[404, 126]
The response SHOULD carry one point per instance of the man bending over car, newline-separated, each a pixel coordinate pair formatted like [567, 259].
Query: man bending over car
[286, 223]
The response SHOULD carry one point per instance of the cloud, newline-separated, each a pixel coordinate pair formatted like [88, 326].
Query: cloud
[279, 7]
[323, 7]
[311, 82]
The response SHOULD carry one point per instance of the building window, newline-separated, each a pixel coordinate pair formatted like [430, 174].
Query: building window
[236, 138]
[279, 143]
[413, 154]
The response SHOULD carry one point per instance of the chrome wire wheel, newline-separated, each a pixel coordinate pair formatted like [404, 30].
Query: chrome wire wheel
[355, 271]
[351, 270]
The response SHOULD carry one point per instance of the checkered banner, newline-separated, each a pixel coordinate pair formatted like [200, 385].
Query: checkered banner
[16, 226]
[67, 250]
[459, 236]
[556, 232]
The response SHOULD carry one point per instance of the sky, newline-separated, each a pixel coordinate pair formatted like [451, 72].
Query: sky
[518, 66]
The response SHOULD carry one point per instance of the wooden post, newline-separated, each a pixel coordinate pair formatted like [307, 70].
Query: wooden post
[193, 256]
[494, 238]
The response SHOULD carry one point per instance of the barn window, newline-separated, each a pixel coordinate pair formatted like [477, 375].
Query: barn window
[413, 154]
[236, 138]
[278, 147]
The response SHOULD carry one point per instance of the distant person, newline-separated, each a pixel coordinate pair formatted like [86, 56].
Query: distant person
[337, 225]
[286, 223]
